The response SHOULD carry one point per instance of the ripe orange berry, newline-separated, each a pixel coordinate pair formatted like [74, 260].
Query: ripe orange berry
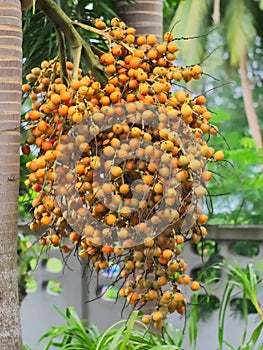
[110, 219]
[49, 204]
[46, 145]
[152, 54]
[54, 240]
[219, 155]
[157, 316]
[116, 171]
[152, 294]
[65, 95]
[117, 50]
[124, 189]
[162, 281]
[161, 48]
[55, 98]
[195, 286]
[63, 110]
[146, 319]
[200, 100]
[109, 59]
[136, 132]
[115, 96]
[172, 47]
[99, 24]
[183, 279]
[131, 97]
[207, 175]
[107, 249]
[105, 100]
[158, 188]
[74, 237]
[130, 38]
[34, 115]
[109, 151]
[180, 96]
[167, 253]
[202, 219]
[50, 155]
[182, 175]
[151, 39]
[110, 69]
[141, 40]
[45, 220]
[147, 179]
[134, 62]
[143, 88]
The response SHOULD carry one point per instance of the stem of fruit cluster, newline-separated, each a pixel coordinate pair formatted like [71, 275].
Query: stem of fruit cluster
[62, 56]
[102, 33]
[63, 23]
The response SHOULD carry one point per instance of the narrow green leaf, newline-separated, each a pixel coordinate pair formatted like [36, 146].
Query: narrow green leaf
[165, 347]
[130, 326]
[222, 313]
[26, 347]
[107, 333]
[229, 345]
[255, 335]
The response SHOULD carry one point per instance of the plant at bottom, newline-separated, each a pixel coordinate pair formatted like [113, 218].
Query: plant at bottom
[128, 334]
[246, 281]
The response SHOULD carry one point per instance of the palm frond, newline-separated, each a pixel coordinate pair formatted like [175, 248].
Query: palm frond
[240, 29]
[192, 19]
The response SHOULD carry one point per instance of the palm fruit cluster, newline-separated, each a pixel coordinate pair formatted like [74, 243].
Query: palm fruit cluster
[121, 169]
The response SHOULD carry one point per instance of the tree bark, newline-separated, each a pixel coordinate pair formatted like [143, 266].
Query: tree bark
[216, 13]
[146, 16]
[248, 101]
[10, 106]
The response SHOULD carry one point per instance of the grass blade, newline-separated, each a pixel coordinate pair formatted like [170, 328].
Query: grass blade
[222, 313]
[130, 326]
[166, 347]
[255, 335]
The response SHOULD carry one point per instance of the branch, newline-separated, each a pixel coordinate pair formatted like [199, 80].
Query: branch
[62, 56]
[64, 24]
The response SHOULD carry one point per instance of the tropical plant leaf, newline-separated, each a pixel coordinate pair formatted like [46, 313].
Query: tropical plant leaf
[255, 335]
[128, 330]
[188, 13]
[240, 30]
[165, 347]
[222, 313]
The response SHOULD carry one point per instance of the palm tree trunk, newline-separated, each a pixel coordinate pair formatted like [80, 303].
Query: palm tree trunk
[248, 101]
[216, 13]
[10, 106]
[144, 15]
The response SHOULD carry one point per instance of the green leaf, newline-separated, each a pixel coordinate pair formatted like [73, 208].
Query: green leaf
[193, 322]
[128, 330]
[187, 13]
[108, 333]
[165, 347]
[240, 30]
[255, 335]
[222, 312]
